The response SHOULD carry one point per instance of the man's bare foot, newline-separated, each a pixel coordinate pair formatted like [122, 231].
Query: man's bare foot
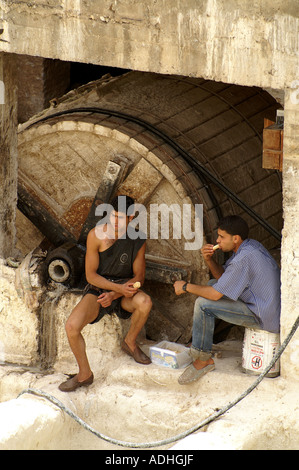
[198, 364]
[82, 376]
[138, 355]
[131, 344]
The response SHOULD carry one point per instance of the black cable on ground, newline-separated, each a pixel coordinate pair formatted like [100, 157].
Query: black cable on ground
[182, 435]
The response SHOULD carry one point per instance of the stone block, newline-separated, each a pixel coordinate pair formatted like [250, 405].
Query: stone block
[103, 339]
[19, 324]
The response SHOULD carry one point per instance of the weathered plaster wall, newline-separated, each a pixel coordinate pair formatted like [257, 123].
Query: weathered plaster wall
[290, 241]
[19, 324]
[39, 80]
[242, 41]
[8, 155]
[246, 42]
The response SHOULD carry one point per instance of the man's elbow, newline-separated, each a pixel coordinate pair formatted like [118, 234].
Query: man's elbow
[90, 277]
[215, 295]
[140, 276]
[141, 279]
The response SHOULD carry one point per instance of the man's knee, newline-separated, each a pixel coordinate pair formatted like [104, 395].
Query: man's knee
[200, 303]
[71, 327]
[203, 306]
[143, 302]
[73, 324]
[83, 313]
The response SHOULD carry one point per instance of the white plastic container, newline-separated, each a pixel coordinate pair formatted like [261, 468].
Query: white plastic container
[173, 355]
[259, 347]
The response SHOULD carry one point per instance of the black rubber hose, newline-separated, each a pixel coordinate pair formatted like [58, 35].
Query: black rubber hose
[195, 163]
[182, 435]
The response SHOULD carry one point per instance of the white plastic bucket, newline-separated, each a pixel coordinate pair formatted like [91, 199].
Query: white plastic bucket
[259, 347]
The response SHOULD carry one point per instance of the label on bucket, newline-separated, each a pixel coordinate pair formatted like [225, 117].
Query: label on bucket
[256, 362]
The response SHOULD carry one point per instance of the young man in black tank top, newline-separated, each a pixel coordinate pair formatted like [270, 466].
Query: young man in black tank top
[113, 263]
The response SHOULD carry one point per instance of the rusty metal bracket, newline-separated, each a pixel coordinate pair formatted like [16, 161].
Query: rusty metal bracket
[167, 271]
[116, 170]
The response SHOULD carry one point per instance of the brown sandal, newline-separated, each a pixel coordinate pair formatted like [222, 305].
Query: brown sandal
[72, 384]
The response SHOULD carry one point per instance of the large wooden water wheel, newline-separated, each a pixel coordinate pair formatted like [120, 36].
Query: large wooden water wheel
[158, 139]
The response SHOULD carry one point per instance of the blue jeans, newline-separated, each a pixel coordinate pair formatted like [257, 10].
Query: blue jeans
[205, 313]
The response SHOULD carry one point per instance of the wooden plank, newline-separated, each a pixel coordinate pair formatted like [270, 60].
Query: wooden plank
[272, 146]
[141, 182]
[42, 218]
[272, 138]
[268, 122]
[272, 160]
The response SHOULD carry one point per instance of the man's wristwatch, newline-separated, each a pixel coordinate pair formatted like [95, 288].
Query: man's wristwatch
[184, 287]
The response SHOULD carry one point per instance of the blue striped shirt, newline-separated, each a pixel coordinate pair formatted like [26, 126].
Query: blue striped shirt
[252, 276]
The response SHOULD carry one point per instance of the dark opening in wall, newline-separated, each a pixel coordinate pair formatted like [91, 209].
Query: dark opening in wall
[84, 73]
[41, 80]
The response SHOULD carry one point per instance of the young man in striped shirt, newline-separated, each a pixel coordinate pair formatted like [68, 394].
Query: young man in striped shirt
[245, 291]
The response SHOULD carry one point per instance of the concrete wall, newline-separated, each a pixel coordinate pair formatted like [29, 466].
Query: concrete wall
[244, 42]
[8, 154]
[290, 241]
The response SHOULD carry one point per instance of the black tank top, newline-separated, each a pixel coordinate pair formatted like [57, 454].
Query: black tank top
[117, 261]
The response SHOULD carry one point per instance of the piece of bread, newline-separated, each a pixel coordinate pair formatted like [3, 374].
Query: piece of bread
[136, 285]
[215, 247]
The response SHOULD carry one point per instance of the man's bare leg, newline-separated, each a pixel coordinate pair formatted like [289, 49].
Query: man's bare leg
[85, 312]
[140, 306]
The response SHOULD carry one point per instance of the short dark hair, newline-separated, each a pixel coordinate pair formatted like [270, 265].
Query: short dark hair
[122, 203]
[234, 225]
